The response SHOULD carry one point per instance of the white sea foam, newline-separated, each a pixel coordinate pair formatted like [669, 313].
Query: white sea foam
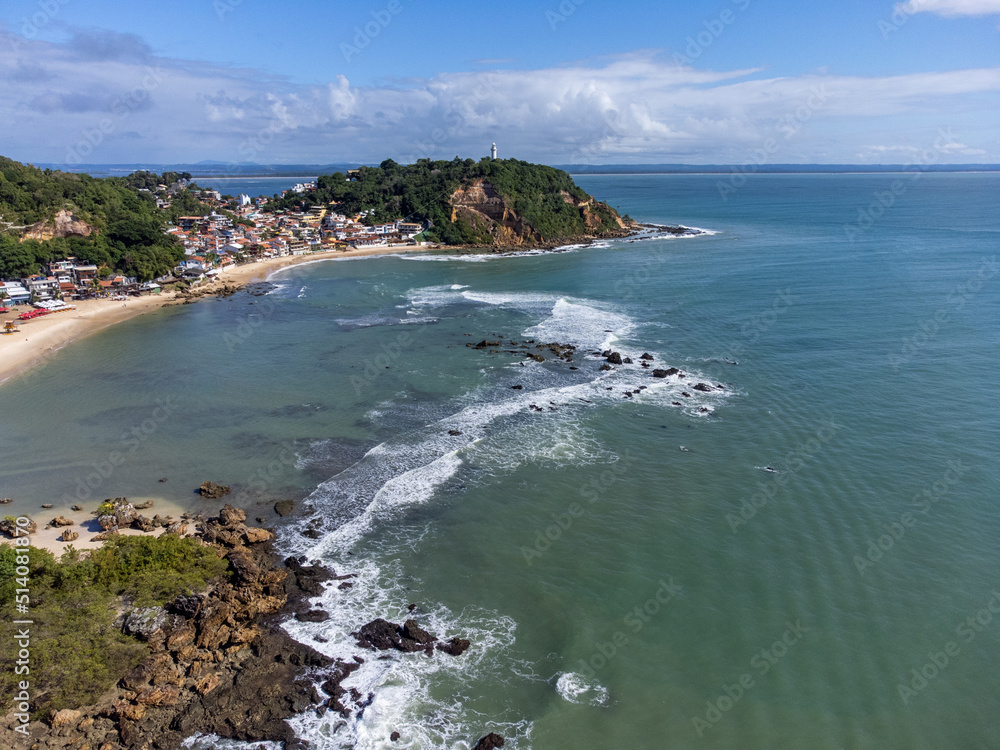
[410, 488]
[582, 325]
[499, 432]
[523, 300]
[487, 257]
[402, 685]
[576, 688]
[215, 742]
[278, 288]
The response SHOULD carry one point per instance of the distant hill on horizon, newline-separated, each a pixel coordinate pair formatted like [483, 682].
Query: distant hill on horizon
[226, 169]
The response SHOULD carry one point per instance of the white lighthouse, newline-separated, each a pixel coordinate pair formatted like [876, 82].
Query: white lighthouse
[493, 152]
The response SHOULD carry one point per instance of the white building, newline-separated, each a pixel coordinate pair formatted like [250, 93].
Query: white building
[493, 151]
[16, 294]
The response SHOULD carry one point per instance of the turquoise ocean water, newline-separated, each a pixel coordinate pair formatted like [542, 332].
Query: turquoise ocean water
[252, 186]
[804, 558]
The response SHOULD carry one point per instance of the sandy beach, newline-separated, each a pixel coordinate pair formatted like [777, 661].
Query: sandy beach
[85, 523]
[42, 337]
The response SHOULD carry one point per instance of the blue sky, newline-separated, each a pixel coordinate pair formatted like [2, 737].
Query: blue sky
[559, 81]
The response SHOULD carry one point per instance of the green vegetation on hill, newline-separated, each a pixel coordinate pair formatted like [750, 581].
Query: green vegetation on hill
[129, 228]
[423, 192]
[76, 651]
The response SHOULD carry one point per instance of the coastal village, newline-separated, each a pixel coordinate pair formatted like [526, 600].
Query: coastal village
[233, 231]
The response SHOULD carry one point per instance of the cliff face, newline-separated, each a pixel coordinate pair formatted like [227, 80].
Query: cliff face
[491, 215]
[65, 224]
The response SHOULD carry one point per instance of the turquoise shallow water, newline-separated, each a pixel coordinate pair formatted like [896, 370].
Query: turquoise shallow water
[629, 572]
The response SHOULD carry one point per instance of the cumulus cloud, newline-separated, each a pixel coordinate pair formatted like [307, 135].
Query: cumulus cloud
[107, 98]
[951, 8]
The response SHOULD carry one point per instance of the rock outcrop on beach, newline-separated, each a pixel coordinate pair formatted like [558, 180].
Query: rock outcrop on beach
[116, 514]
[9, 527]
[221, 289]
[218, 662]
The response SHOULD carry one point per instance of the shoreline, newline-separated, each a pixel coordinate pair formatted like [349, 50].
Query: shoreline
[44, 337]
[85, 523]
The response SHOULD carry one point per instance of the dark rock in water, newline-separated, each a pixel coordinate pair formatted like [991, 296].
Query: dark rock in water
[703, 387]
[394, 736]
[675, 403]
[646, 355]
[604, 367]
[490, 742]
[46, 506]
[307, 579]
[145, 505]
[313, 615]
[414, 632]
[378, 635]
[213, 491]
[606, 353]
[284, 507]
[454, 433]
[517, 387]
[455, 646]
[484, 344]
[614, 358]
[536, 357]
[411, 607]
[163, 480]
[626, 360]
[77, 508]
[685, 394]
[382, 635]
[574, 368]
[659, 373]
[345, 585]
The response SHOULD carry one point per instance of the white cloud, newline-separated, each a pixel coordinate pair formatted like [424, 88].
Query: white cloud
[951, 8]
[111, 100]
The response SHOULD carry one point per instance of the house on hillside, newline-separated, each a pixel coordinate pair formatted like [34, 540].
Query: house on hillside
[43, 287]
